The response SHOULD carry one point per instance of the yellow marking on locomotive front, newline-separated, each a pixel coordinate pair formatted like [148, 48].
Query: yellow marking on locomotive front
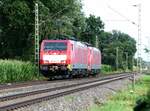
[69, 67]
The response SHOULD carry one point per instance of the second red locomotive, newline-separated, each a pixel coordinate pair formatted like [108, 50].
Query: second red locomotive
[68, 58]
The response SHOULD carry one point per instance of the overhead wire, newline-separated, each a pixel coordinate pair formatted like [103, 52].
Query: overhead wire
[120, 14]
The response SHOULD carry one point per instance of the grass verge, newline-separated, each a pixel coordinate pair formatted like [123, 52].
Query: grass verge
[15, 71]
[107, 70]
[125, 100]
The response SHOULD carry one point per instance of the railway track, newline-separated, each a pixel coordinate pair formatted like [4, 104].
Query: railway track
[10, 86]
[25, 84]
[24, 99]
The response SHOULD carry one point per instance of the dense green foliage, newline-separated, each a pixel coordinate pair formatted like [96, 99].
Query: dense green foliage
[17, 23]
[14, 71]
[106, 68]
[94, 27]
[126, 45]
[57, 18]
[16, 27]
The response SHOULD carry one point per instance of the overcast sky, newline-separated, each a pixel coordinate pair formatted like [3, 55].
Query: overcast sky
[114, 13]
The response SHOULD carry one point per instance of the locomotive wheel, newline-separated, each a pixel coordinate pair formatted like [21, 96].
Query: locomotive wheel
[70, 76]
[65, 76]
[95, 75]
[51, 78]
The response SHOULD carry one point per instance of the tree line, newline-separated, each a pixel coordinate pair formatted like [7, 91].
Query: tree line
[59, 18]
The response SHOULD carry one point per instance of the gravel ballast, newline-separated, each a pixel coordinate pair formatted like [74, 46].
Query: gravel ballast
[19, 90]
[80, 101]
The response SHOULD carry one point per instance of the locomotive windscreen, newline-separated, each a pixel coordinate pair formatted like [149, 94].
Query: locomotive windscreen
[55, 46]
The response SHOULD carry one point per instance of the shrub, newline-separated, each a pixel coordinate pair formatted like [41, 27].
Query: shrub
[106, 68]
[143, 101]
[14, 71]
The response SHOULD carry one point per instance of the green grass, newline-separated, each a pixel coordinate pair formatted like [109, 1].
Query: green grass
[69, 98]
[15, 71]
[125, 100]
[107, 69]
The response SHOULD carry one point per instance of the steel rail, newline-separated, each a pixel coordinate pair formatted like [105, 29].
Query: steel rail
[25, 84]
[10, 97]
[12, 86]
[69, 90]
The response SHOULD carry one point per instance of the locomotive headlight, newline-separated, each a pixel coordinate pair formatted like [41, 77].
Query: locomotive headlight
[44, 67]
[46, 61]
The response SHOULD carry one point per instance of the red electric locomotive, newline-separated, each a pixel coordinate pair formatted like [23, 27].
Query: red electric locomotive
[68, 58]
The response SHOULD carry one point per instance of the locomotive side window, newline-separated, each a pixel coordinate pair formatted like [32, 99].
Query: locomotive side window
[55, 46]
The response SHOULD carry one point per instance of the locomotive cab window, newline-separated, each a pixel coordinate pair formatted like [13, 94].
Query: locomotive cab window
[55, 46]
